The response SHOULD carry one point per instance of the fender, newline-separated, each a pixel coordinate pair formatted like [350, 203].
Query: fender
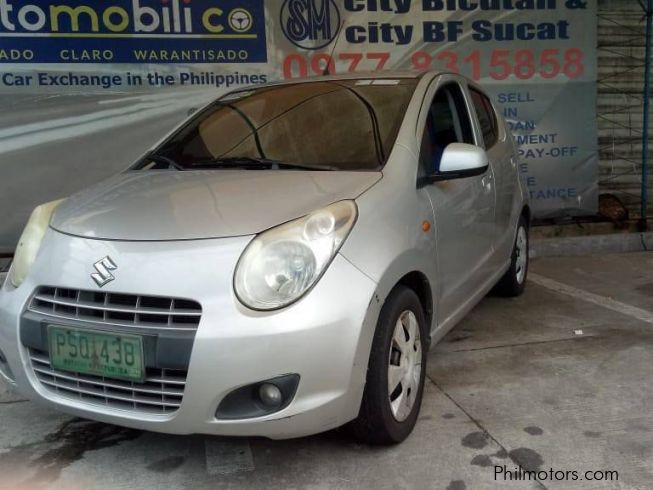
[411, 260]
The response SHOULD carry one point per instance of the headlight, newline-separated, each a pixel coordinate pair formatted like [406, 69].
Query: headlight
[30, 241]
[280, 265]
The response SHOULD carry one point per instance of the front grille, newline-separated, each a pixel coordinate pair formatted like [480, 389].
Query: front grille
[161, 392]
[126, 310]
[167, 326]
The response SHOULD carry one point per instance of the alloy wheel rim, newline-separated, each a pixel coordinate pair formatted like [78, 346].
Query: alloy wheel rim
[404, 366]
[521, 251]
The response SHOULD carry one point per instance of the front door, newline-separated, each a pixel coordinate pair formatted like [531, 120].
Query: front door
[500, 154]
[464, 208]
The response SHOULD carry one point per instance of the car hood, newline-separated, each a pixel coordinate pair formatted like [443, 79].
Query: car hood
[167, 205]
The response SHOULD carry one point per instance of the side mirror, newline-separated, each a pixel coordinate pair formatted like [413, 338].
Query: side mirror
[459, 161]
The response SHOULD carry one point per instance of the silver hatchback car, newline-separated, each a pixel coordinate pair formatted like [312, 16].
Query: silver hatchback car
[278, 266]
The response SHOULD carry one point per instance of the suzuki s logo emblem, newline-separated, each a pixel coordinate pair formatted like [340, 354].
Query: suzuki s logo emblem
[103, 276]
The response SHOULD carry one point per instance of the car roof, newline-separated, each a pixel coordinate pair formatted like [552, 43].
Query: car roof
[369, 74]
[376, 75]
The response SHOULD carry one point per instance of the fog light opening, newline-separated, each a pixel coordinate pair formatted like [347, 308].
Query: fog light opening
[258, 399]
[270, 395]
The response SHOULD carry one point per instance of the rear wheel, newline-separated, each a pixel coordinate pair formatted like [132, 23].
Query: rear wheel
[396, 372]
[514, 280]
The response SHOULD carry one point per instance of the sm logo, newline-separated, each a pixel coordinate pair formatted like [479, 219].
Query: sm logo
[310, 24]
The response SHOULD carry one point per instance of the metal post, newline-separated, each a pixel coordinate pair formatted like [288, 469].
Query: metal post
[647, 95]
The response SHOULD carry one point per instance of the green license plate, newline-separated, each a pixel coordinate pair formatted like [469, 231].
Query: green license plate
[98, 353]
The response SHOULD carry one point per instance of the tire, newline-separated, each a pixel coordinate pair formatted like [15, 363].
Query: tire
[381, 421]
[513, 281]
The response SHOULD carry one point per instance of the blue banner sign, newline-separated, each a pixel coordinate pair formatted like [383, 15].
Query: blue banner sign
[132, 31]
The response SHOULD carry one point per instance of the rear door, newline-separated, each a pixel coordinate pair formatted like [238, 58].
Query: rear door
[464, 208]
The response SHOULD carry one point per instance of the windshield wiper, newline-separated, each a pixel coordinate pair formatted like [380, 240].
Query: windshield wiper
[158, 158]
[252, 163]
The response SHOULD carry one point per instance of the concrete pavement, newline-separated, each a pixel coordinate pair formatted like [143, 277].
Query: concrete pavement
[549, 380]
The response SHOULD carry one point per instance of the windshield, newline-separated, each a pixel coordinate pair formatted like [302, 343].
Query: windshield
[331, 125]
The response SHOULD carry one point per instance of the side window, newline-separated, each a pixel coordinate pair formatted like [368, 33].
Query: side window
[447, 122]
[486, 117]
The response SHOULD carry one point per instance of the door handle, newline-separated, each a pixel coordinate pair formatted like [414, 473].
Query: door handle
[486, 182]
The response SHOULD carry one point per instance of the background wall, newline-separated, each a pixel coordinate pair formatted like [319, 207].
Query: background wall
[621, 55]
[57, 140]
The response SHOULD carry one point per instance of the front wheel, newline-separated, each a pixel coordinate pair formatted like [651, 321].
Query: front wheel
[396, 371]
[514, 280]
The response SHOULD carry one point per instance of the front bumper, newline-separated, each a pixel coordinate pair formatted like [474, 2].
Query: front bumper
[325, 338]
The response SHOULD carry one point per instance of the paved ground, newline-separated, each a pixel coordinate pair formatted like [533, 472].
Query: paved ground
[559, 378]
